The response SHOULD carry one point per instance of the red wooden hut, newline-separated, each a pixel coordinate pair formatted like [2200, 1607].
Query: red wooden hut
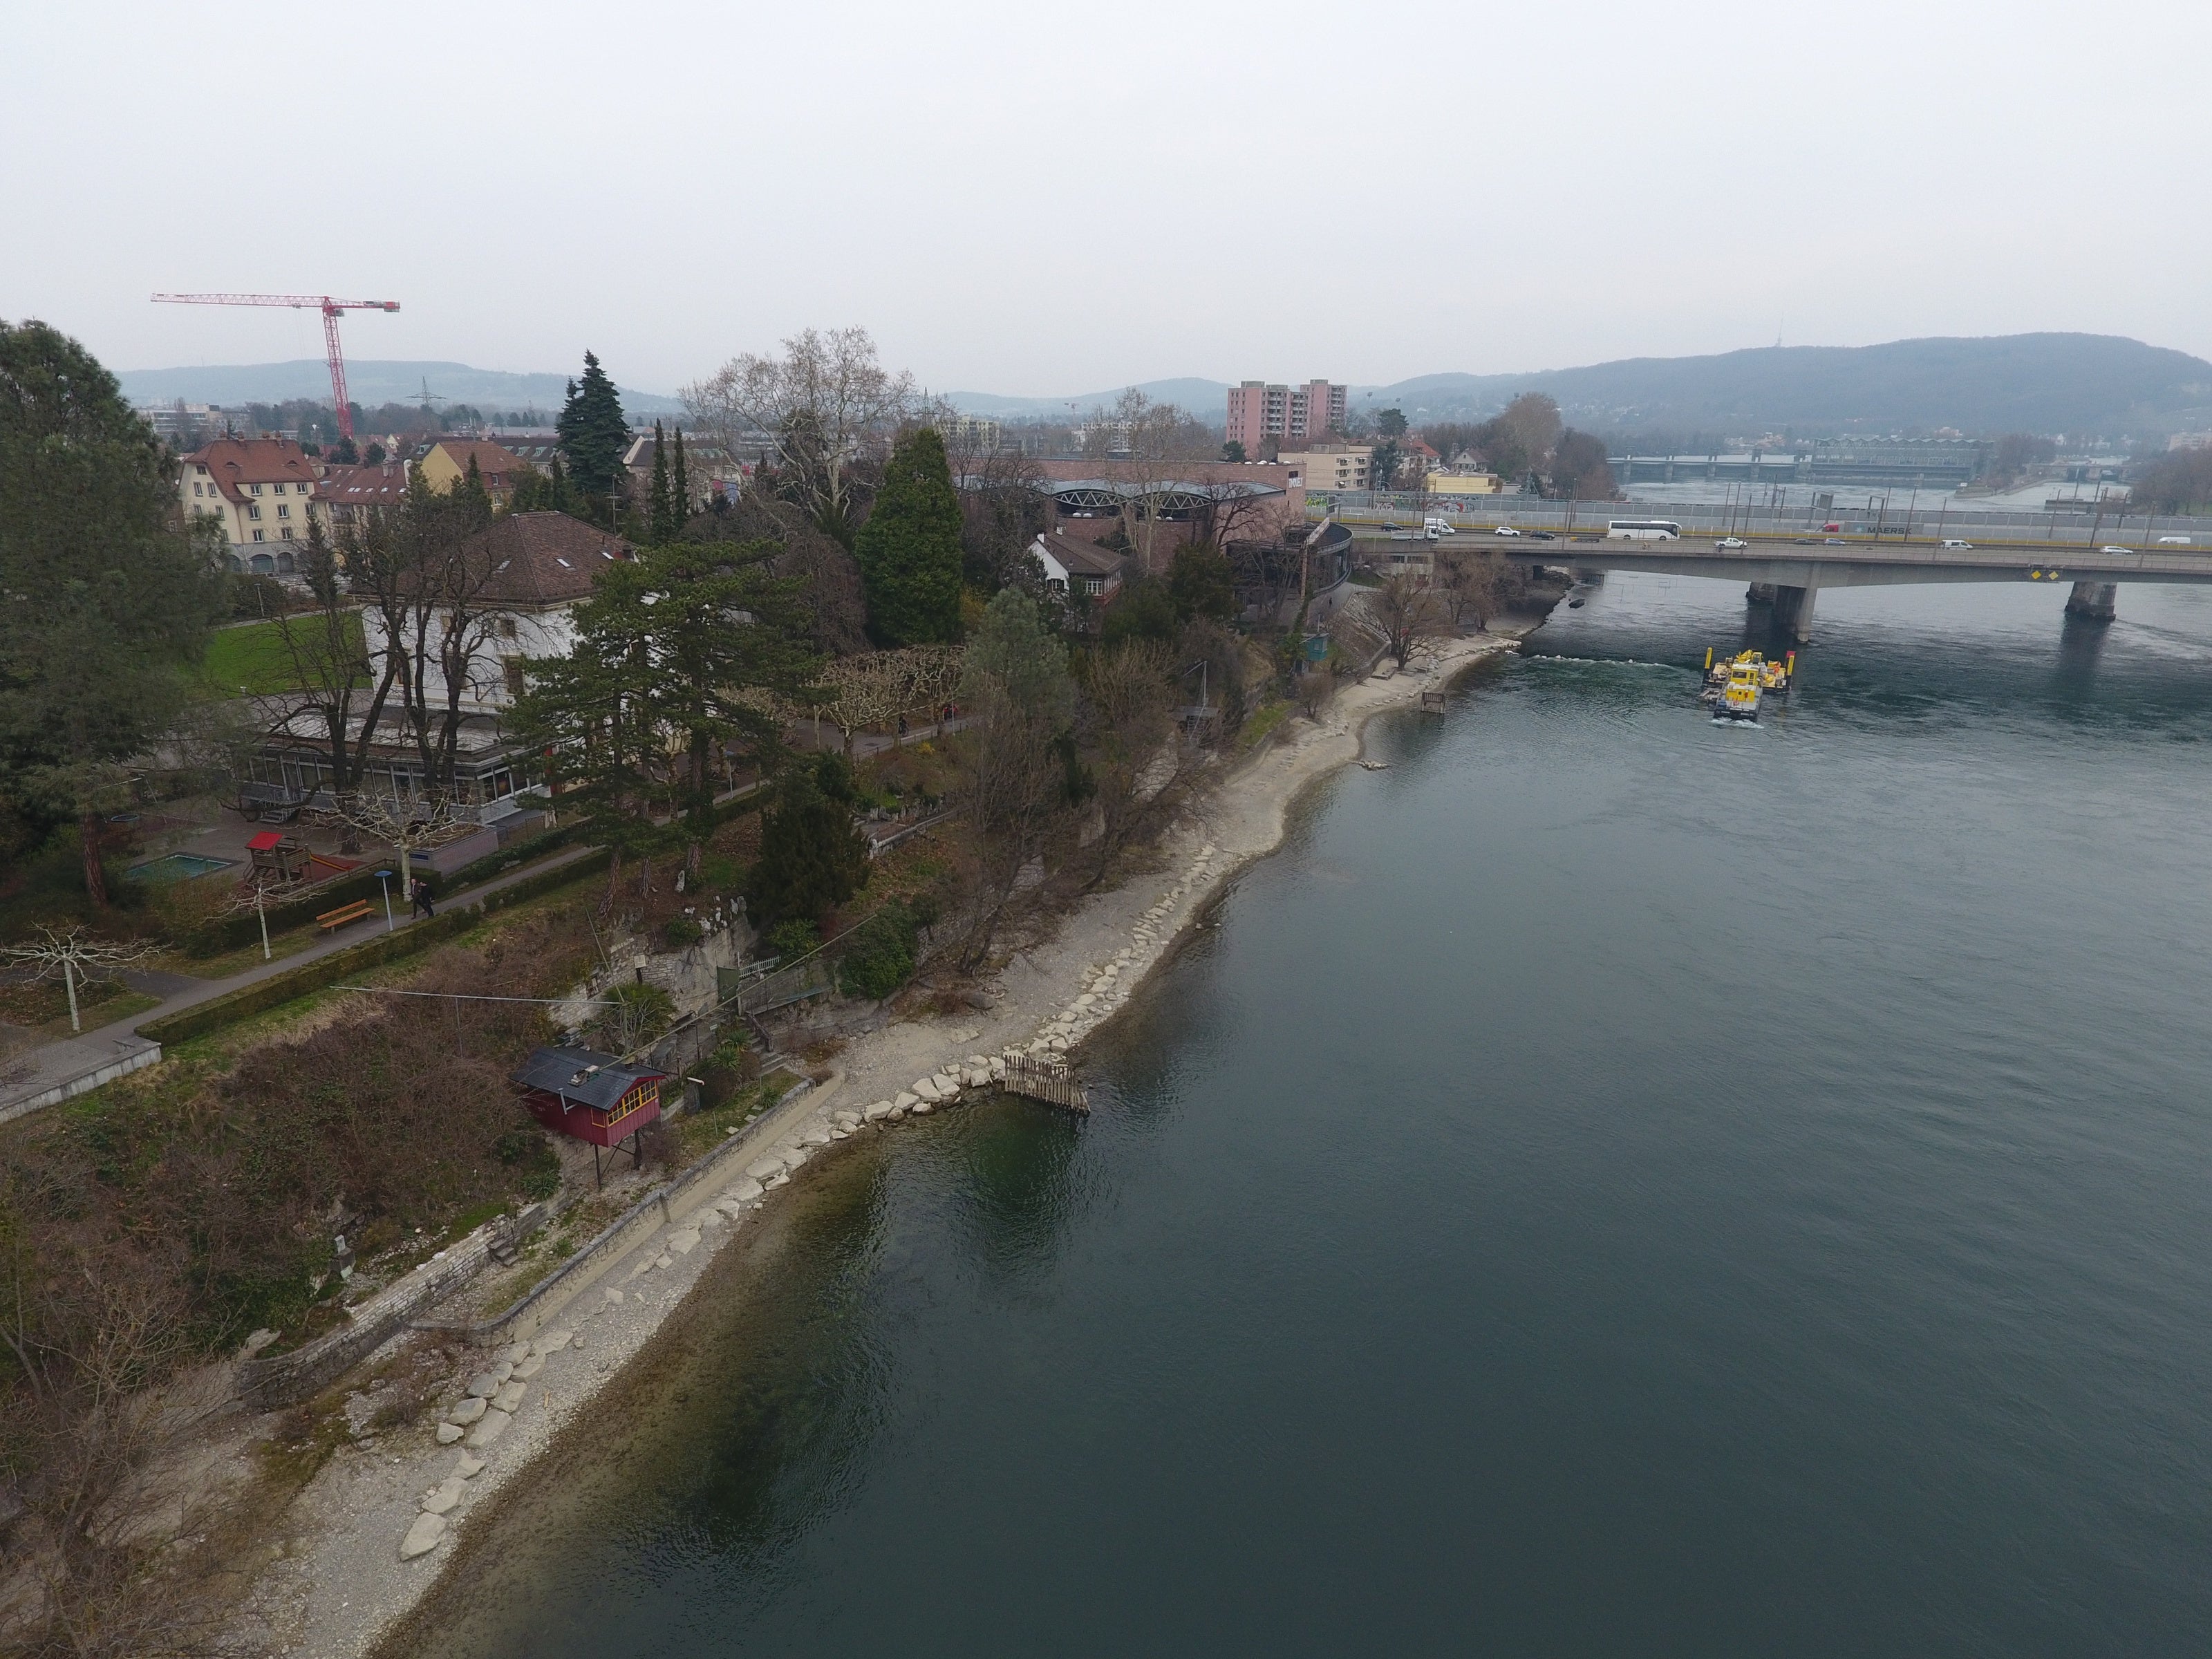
[592, 1096]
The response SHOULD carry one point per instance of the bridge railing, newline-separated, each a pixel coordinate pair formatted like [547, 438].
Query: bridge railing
[1362, 509]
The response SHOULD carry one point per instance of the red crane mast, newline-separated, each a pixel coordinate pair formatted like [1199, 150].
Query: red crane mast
[322, 302]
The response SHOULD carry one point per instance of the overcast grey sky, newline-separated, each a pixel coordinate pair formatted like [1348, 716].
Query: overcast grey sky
[1037, 198]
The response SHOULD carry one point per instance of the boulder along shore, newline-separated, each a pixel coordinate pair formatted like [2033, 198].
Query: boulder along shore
[370, 1537]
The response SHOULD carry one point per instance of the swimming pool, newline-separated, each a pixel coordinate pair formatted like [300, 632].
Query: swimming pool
[178, 866]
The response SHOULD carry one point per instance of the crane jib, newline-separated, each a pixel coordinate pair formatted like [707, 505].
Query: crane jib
[331, 309]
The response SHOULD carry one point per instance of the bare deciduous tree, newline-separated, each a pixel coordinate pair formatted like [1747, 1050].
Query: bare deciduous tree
[1473, 583]
[1140, 447]
[818, 407]
[875, 687]
[1138, 764]
[75, 959]
[1400, 613]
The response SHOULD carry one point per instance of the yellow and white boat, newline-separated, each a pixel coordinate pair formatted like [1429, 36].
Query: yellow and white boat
[1739, 694]
[1736, 687]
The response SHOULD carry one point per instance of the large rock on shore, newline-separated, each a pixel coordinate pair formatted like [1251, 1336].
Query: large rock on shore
[494, 1426]
[425, 1535]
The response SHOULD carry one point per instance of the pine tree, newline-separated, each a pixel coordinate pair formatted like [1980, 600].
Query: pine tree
[909, 549]
[661, 503]
[594, 433]
[680, 483]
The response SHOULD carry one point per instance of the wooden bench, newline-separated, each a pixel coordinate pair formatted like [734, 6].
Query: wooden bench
[331, 920]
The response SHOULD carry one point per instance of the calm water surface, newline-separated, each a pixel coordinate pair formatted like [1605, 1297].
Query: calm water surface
[1613, 1184]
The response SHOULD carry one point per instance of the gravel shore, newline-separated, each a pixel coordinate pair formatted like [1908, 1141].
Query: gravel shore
[371, 1534]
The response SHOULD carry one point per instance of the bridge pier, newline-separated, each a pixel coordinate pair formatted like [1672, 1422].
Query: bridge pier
[2093, 601]
[1793, 610]
[1759, 593]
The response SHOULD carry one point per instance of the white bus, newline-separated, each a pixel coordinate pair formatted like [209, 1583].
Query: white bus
[1642, 530]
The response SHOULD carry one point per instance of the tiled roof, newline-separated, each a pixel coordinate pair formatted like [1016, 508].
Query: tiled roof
[365, 486]
[492, 459]
[235, 462]
[1079, 558]
[547, 558]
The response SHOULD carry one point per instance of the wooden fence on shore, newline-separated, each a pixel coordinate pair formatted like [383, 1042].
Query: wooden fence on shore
[1048, 1077]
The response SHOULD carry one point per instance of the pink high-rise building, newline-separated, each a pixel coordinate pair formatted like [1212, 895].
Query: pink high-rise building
[1260, 415]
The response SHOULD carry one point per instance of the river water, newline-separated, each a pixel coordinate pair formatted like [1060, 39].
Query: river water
[1612, 1184]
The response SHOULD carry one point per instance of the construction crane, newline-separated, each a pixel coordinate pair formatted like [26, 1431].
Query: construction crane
[322, 302]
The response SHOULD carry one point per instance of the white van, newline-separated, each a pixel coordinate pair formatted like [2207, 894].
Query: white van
[2174, 541]
[1953, 541]
[1437, 527]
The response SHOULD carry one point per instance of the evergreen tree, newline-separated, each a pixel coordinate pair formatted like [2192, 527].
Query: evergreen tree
[812, 856]
[909, 549]
[593, 434]
[662, 523]
[663, 678]
[680, 483]
[1202, 582]
[107, 598]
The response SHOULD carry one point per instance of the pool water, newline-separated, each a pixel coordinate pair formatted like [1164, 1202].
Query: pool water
[178, 867]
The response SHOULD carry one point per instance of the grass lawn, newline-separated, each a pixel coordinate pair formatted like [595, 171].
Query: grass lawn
[255, 659]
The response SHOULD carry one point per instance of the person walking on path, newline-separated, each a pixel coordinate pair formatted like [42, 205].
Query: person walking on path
[420, 892]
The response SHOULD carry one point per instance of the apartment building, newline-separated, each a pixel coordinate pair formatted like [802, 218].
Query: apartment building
[1262, 415]
[262, 491]
[1332, 466]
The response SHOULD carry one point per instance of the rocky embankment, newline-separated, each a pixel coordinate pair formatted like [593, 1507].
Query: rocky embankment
[338, 1589]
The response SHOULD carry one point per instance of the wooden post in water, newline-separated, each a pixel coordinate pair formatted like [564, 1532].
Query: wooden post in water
[1048, 1077]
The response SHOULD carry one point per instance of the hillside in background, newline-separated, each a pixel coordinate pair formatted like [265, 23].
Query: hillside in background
[1207, 399]
[2081, 385]
[2076, 384]
[369, 382]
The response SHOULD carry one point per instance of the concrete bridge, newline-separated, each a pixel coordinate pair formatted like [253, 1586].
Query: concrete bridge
[1789, 572]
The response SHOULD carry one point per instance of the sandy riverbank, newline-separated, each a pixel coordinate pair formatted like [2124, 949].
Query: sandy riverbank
[341, 1580]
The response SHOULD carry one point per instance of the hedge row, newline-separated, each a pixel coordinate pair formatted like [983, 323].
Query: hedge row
[224, 933]
[278, 988]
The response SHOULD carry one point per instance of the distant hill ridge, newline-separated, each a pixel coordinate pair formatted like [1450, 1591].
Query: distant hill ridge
[2082, 384]
[369, 382]
[2097, 385]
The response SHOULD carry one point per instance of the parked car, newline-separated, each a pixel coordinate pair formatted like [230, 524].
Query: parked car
[2174, 541]
[2122, 551]
[1505, 530]
[1833, 541]
[1732, 543]
[1804, 541]
[1954, 542]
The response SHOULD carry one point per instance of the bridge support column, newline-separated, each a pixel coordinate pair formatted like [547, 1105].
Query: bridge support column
[2093, 601]
[1793, 611]
[1759, 593]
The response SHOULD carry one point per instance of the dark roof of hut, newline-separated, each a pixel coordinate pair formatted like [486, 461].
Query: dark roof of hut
[582, 1077]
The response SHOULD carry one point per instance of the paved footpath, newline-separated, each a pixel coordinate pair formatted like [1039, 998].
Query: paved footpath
[55, 1065]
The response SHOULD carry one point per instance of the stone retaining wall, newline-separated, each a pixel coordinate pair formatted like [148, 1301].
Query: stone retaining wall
[664, 1204]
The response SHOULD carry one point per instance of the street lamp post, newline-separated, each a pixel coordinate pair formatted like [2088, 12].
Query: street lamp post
[384, 881]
